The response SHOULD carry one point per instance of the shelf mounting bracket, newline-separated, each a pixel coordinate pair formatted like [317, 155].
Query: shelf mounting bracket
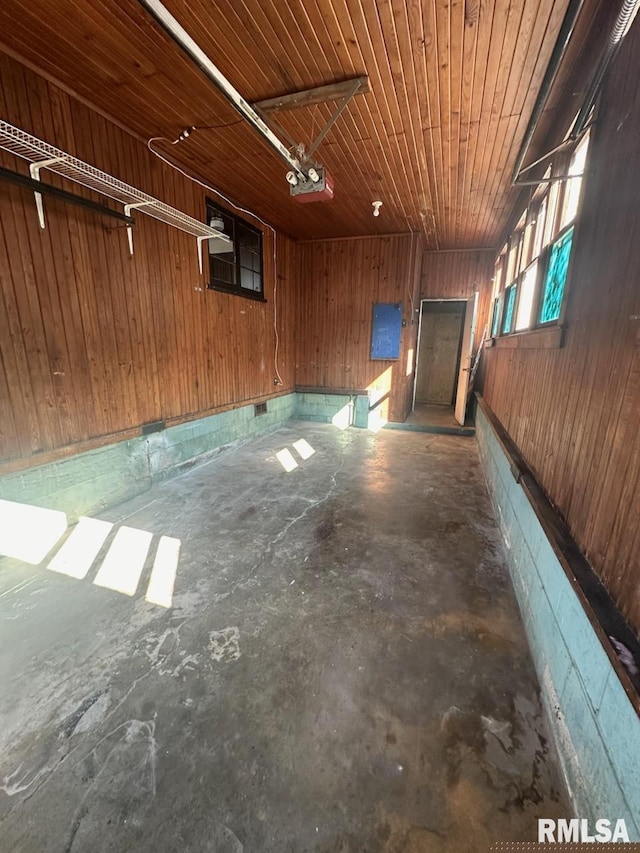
[127, 212]
[34, 171]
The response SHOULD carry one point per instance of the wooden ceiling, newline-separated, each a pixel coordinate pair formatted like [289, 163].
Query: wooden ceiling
[452, 82]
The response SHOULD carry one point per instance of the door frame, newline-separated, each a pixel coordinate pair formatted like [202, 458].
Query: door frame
[463, 301]
[466, 355]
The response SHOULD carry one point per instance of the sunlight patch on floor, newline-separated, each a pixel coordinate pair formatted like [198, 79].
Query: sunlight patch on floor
[285, 458]
[123, 564]
[29, 532]
[77, 554]
[303, 448]
[163, 574]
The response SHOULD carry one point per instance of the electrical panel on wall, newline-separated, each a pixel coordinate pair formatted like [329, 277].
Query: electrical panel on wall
[386, 330]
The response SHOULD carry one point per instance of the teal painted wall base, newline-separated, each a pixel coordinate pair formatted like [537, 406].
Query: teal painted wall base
[91, 481]
[595, 727]
[343, 410]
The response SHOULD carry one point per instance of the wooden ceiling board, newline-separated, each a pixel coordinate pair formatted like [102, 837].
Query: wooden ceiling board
[565, 98]
[453, 83]
[522, 97]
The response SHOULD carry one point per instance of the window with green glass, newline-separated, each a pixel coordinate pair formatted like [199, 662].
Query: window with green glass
[556, 277]
[531, 271]
[509, 305]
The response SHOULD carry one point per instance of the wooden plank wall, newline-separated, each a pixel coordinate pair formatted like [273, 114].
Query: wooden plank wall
[94, 342]
[458, 275]
[338, 281]
[573, 412]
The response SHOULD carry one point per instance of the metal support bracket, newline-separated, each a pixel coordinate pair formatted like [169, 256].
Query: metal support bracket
[34, 171]
[41, 154]
[342, 92]
[201, 240]
[277, 128]
[552, 180]
[336, 115]
[127, 211]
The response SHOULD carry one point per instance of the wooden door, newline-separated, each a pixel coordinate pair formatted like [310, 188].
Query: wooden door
[438, 358]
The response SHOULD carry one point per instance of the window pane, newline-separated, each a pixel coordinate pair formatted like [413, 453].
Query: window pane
[507, 322]
[571, 197]
[246, 279]
[512, 258]
[497, 304]
[248, 238]
[551, 229]
[572, 191]
[224, 223]
[221, 248]
[237, 266]
[556, 278]
[527, 244]
[221, 253]
[521, 251]
[498, 279]
[527, 292]
[222, 271]
[540, 221]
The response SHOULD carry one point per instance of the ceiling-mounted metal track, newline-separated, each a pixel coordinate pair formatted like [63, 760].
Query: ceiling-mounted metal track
[178, 33]
[42, 155]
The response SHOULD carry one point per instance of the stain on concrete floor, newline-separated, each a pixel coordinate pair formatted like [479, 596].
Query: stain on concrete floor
[342, 668]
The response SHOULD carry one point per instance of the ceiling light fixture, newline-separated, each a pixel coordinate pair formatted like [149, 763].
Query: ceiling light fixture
[376, 207]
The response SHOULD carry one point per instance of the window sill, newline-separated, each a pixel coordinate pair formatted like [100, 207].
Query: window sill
[236, 291]
[550, 338]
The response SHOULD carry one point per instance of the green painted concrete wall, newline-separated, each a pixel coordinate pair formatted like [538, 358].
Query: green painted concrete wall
[341, 409]
[595, 727]
[91, 481]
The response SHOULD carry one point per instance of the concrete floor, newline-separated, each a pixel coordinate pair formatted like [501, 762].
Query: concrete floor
[342, 668]
[427, 414]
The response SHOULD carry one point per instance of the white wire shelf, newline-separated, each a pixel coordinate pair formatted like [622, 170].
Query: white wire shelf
[42, 155]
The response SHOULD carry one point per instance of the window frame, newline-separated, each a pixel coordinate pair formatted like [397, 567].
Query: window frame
[238, 223]
[549, 200]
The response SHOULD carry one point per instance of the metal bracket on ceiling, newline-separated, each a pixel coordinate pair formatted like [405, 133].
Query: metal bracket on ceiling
[336, 114]
[342, 92]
